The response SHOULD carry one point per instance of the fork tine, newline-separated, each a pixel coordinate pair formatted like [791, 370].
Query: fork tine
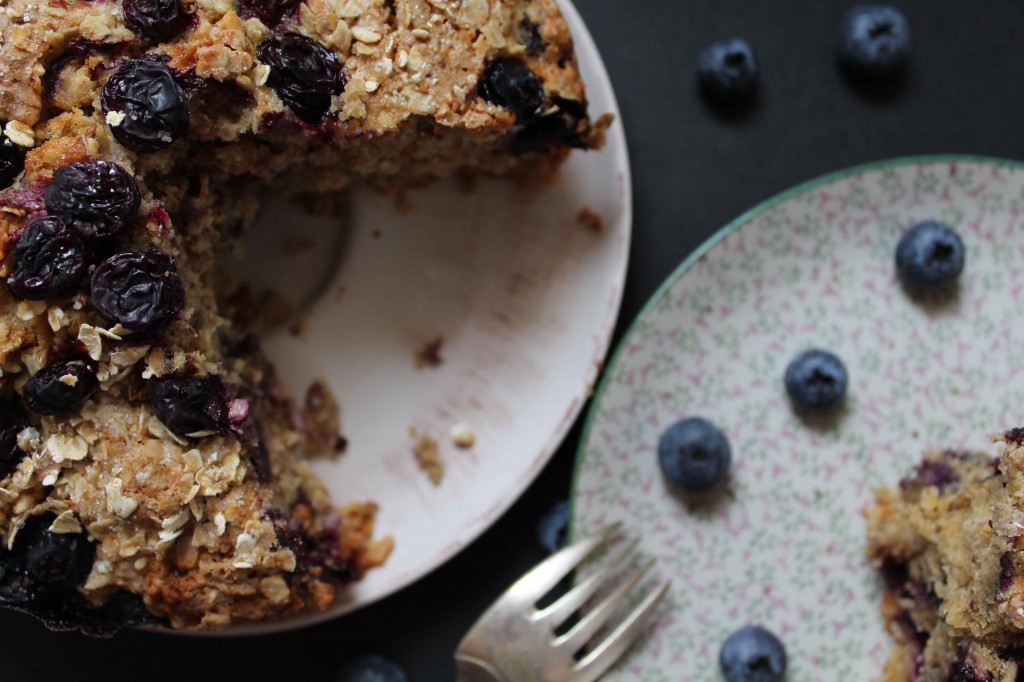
[611, 649]
[592, 621]
[543, 578]
[558, 612]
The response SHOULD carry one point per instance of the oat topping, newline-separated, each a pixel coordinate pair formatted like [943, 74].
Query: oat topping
[463, 436]
[148, 145]
[428, 457]
[20, 134]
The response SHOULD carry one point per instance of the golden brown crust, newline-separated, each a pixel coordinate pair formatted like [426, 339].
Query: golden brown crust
[949, 541]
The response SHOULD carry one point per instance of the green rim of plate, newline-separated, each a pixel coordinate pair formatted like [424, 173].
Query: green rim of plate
[713, 240]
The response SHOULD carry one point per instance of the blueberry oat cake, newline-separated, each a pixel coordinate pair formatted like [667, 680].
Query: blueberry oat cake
[949, 542]
[149, 470]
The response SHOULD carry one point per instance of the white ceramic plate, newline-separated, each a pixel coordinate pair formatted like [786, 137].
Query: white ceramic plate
[813, 267]
[525, 298]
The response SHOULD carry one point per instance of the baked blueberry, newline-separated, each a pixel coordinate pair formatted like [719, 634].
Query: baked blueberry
[12, 159]
[962, 671]
[553, 527]
[752, 654]
[140, 290]
[156, 19]
[12, 422]
[694, 455]
[874, 42]
[95, 199]
[54, 560]
[930, 255]
[371, 669]
[303, 73]
[727, 71]
[189, 406]
[270, 12]
[508, 82]
[146, 108]
[531, 37]
[816, 380]
[47, 261]
[59, 388]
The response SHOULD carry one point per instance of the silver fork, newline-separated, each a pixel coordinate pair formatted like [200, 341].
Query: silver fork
[513, 641]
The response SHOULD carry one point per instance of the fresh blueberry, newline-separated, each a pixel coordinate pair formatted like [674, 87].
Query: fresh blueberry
[303, 73]
[508, 82]
[54, 560]
[140, 290]
[191, 405]
[553, 527]
[752, 654]
[59, 388]
[96, 199]
[371, 669]
[148, 107]
[816, 380]
[694, 455]
[12, 422]
[874, 42]
[930, 255]
[47, 261]
[727, 71]
[156, 19]
[12, 159]
[270, 12]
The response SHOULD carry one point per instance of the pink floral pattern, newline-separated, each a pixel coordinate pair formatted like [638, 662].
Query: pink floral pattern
[785, 546]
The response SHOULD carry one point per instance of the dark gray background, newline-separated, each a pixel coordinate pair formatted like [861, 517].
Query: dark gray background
[692, 172]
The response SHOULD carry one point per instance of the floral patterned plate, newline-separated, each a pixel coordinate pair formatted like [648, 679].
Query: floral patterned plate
[813, 267]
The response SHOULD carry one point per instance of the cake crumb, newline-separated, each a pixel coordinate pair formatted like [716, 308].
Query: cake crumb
[320, 420]
[590, 220]
[429, 458]
[297, 245]
[463, 436]
[299, 327]
[403, 203]
[429, 354]
[465, 183]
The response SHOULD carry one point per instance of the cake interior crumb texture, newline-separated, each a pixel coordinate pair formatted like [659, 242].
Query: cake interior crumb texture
[949, 543]
[151, 469]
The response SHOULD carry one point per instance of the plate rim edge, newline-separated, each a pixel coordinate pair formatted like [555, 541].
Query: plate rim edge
[711, 242]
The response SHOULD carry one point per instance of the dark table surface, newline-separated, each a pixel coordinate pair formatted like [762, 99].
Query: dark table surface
[693, 171]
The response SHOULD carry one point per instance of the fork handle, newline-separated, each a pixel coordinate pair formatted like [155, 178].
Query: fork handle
[472, 669]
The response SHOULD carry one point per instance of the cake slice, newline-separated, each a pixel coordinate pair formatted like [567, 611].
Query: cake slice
[949, 542]
[150, 469]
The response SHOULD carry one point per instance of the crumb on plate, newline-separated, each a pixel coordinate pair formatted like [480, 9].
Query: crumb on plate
[429, 354]
[429, 458]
